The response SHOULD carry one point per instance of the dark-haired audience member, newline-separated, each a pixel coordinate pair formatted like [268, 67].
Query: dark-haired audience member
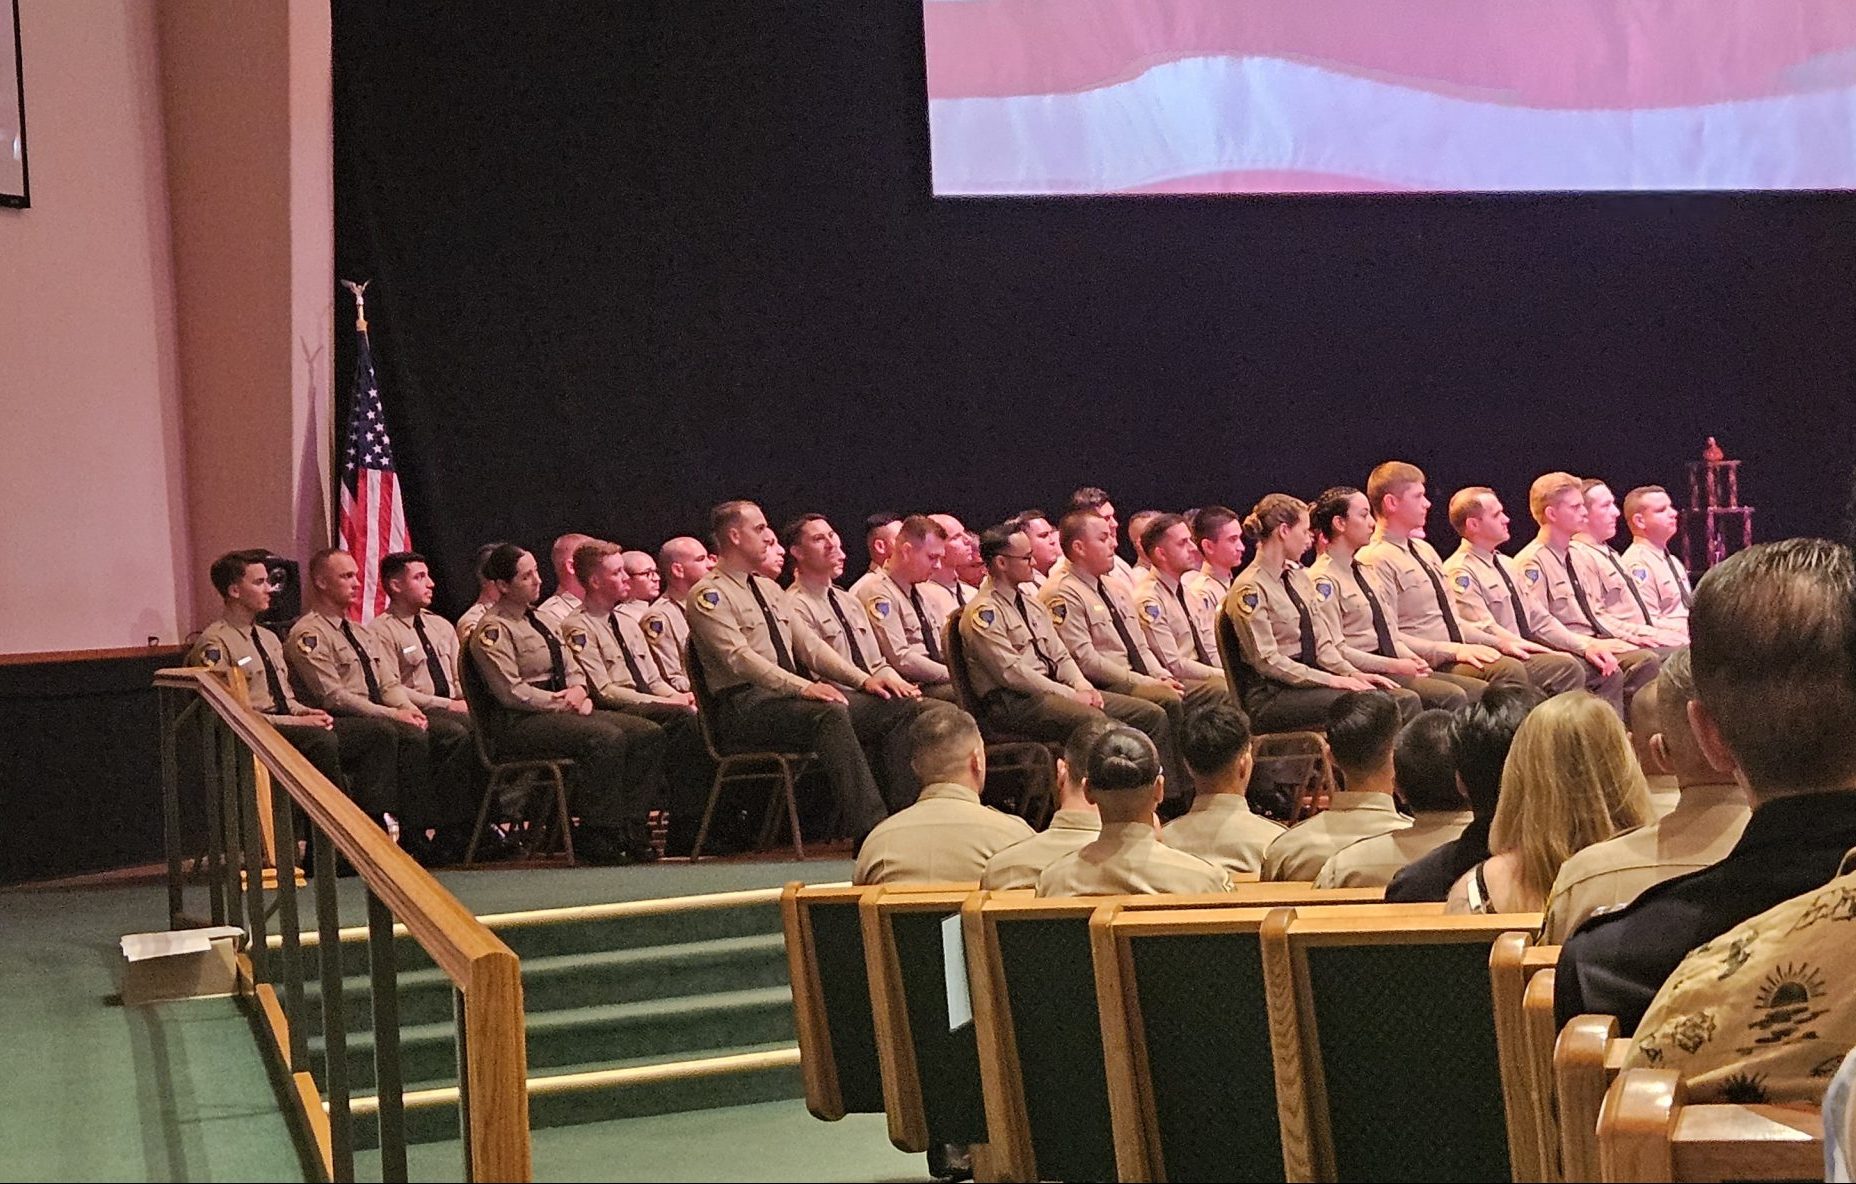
[947, 836]
[1424, 770]
[1774, 629]
[424, 645]
[567, 589]
[1214, 742]
[1699, 832]
[1480, 740]
[486, 596]
[682, 563]
[1124, 782]
[1180, 625]
[544, 710]
[1363, 728]
[1075, 823]
[1218, 533]
[347, 671]
[895, 600]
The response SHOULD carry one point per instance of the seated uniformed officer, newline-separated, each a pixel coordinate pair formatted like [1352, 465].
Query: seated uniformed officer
[895, 599]
[346, 671]
[423, 643]
[1218, 532]
[1485, 591]
[952, 582]
[775, 680]
[1294, 666]
[1138, 522]
[567, 590]
[682, 563]
[1220, 828]
[1356, 608]
[1411, 577]
[947, 835]
[1095, 501]
[1026, 681]
[545, 711]
[1046, 551]
[641, 585]
[1075, 824]
[1178, 624]
[880, 531]
[1619, 597]
[1363, 729]
[1124, 782]
[1556, 582]
[1661, 579]
[838, 621]
[356, 753]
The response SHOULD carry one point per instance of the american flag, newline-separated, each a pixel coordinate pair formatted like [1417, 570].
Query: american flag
[373, 517]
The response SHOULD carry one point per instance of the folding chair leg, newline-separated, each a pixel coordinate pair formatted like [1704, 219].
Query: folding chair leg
[792, 809]
[561, 816]
[708, 813]
[483, 813]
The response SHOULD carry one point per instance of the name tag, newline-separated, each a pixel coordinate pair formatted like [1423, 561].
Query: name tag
[244, 661]
[409, 649]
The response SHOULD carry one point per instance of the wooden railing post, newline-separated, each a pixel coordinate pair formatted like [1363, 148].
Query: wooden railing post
[496, 1078]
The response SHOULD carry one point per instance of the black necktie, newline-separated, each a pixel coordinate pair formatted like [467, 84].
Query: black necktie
[1305, 620]
[1382, 632]
[557, 676]
[1675, 569]
[1579, 597]
[367, 663]
[921, 621]
[1121, 630]
[280, 704]
[780, 651]
[1198, 647]
[960, 594]
[1050, 667]
[850, 634]
[1437, 586]
[631, 663]
[1514, 598]
[441, 684]
[1629, 583]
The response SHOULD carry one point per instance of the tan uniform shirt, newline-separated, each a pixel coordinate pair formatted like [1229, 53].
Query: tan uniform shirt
[1661, 580]
[1371, 863]
[1404, 570]
[597, 650]
[1172, 619]
[224, 647]
[557, 608]
[517, 663]
[1337, 590]
[398, 636]
[1698, 833]
[815, 608]
[1020, 865]
[1079, 606]
[1618, 599]
[1122, 574]
[1222, 830]
[667, 628]
[734, 638]
[1269, 629]
[634, 610]
[1766, 1011]
[1016, 652]
[1207, 585]
[1127, 858]
[1479, 595]
[473, 616]
[946, 837]
[330, 668]
[1546, 577]
[1302, 850]
[899, 628]
[943, 603]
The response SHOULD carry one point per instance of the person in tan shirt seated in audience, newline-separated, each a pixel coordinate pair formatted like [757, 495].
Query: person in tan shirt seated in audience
[1214, 741]
[1646, 721]
[1424, 770]
[1075, 824]
[1122, 777]
[947, 835]
[1362, 728]
[1698, 833]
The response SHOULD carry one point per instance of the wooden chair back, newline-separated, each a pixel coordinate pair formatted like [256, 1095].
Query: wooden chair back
[1515, 964]
[1585, 1058]
[1648, 1131]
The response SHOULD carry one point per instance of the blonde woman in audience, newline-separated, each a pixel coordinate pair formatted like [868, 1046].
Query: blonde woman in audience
[1571, 780]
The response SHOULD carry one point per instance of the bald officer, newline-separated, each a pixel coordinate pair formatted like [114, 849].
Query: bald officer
[566, 598]
[1661, 579]
[1619, 597]
[682, 563]
[1177, 624]
[641, 585]
[895, 600]
[776, 682]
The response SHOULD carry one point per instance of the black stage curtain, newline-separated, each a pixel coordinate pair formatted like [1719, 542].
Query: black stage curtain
[630, 258]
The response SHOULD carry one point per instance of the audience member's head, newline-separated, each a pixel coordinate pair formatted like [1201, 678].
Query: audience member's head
[1484, 731]
[1674, 744]
[1424, 764]
[1571, 780]
[946, 747]
[1773, 629]
[1073, 765]
[1645, 722]
[1123, 778]
[1214, 741]
[1362, 727]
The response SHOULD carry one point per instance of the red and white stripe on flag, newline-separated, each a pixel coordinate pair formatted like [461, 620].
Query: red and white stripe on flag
[373, 526]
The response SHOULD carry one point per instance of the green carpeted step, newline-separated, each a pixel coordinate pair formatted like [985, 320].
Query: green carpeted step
[690, 1025]
[583, 980]
[601, 1102]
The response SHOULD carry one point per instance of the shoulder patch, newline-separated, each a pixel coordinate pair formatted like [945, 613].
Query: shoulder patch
[654, 626]
[1324, 588]
[211, 654]
[576, 639]
[881, 608]
[1152, 609]
[1640, 573]
[1059, 611]
[1532, 572]
[1249, 600]
[1463, 581]
[986, 617]
[306, 641]
[491, 633]
[709, 600]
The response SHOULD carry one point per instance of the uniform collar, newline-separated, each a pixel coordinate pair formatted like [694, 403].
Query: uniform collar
[1346, 799]
[948, 791]
[1703, 797]
[1220, 803]
[1078, 819]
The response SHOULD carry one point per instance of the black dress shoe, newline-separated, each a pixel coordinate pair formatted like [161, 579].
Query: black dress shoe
[602, 846]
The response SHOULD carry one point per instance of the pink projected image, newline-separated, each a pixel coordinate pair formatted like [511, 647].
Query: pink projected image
[1346, 96]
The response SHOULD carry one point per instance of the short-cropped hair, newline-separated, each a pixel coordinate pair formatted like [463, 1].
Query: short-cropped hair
[1424, 763]
[940, 742]
[1213, 733]
[1087, 497]
[1073, 526]
[1547, 489]
[919, 528]
[1773, 631]
[1210, 520]
[997, 539]
[230, 568]
[1466, 504]
[725, 517]
[1082, 739]
[320, 559]
[1633, 501]
[1390, 479]
[588, 557]
[395, 563]
[1122, 759]
[1483, 734]
[1362, 726]
[1155, 531]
